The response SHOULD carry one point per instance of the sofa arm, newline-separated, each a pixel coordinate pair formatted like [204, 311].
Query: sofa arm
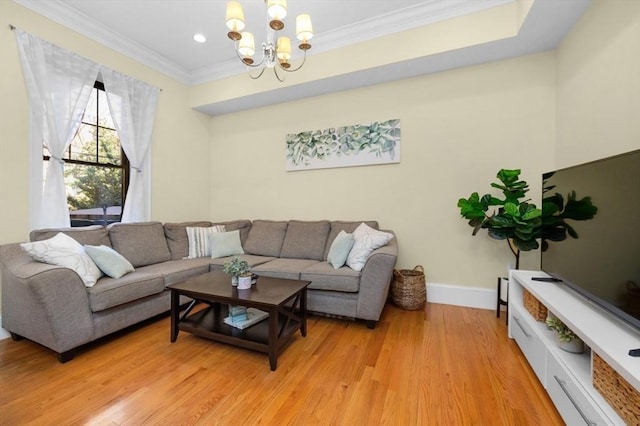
[375, 280]
[44, 303]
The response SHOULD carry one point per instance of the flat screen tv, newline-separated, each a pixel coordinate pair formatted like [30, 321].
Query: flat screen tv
[603, 262]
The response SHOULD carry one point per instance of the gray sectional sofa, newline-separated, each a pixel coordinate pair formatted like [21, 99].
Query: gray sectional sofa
[51, 305]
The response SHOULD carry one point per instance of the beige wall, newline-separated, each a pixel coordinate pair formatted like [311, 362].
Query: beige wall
[458, 129]
[599, 84]
[181, 140]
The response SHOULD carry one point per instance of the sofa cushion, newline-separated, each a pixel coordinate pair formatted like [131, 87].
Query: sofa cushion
[305, 240]
[174, 271]
[109, 292]
[253, 260]
[177, 240]
[95, 235]
[283, 268]
[348, 227]
[109, 261]
[62, 250]
[324, 277]
[141, 243]
[241, 225]
[266, 238]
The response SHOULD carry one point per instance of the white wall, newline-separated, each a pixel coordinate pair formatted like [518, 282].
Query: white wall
[458, 129]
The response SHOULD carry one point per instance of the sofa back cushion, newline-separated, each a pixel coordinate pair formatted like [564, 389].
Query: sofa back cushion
[266, 238]
[177, 240]
[305, 240]
[140, 243]
[92, 235]
[348, 227]
[242, 225]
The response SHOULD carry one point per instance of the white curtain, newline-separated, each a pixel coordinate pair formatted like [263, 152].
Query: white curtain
[133, 106]
[59, 84]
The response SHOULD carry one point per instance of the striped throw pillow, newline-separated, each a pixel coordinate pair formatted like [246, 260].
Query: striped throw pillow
[199, 240]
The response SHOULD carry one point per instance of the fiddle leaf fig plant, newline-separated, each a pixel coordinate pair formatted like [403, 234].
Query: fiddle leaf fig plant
[511, 218]
[520, 222]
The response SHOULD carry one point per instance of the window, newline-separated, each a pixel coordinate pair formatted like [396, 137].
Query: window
[96, 168]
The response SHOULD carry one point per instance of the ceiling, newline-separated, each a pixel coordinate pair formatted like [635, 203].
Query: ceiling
[159, 33]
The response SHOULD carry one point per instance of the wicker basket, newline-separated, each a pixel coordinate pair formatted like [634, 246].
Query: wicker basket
[537, 310]
[409, 289]
[623, 397]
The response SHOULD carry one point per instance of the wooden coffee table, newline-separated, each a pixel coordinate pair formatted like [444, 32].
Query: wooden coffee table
[285, 300]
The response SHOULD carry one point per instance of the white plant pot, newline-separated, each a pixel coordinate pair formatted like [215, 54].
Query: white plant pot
[575, 346]
[244, 283]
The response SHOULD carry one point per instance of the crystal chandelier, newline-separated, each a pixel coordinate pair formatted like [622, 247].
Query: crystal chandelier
[276, 51]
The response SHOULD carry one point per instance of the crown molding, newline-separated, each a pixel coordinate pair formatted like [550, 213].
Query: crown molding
[61, 13]
[418, 15]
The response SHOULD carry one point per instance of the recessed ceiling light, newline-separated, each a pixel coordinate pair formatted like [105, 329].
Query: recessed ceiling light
[199, 37]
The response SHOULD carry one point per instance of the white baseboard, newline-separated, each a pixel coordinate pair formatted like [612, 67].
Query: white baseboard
[471, 297]
[3, 333]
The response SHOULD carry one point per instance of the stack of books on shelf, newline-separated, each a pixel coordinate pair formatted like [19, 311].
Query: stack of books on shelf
[242, 317]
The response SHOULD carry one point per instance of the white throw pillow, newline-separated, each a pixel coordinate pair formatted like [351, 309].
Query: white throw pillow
[340, 249]
[109, 261]
[367, 240]
[62, 250]
[199, 240]
[225, 244]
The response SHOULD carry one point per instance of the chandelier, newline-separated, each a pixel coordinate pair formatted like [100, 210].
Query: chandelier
[276, 51]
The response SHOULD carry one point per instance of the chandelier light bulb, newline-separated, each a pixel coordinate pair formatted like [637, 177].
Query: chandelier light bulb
[284, 48]
[304, 31]
[234, 20]
[277, 10]
[246, 47]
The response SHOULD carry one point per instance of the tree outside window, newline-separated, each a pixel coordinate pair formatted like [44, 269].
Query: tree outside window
[96, 168]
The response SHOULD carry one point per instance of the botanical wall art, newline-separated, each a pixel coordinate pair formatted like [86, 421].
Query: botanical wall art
[355, 145]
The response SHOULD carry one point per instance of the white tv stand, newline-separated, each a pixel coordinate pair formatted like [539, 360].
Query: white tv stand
[567, 377]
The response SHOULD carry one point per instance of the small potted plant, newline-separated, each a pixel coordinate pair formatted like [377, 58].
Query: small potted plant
[236, 267]
[567, 339]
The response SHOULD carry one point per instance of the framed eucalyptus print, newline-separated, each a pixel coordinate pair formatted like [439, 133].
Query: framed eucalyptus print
[346, 146]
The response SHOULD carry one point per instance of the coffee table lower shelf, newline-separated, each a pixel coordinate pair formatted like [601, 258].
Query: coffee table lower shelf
[209, 323]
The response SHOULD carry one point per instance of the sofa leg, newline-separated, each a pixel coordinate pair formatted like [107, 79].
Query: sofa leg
[16, 337]
[371, 324]
[66, 356]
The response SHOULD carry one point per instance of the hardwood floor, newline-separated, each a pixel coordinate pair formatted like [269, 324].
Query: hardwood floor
[444, 365]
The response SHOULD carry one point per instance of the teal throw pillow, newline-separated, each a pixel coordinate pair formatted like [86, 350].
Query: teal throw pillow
[109, 261]
[225, 244]
[339, 250]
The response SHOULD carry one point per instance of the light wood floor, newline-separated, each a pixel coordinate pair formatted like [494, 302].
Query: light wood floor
[444, 365]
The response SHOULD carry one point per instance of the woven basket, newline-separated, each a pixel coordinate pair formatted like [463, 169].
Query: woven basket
[623, 397]
[409, 289]
[537, 310]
